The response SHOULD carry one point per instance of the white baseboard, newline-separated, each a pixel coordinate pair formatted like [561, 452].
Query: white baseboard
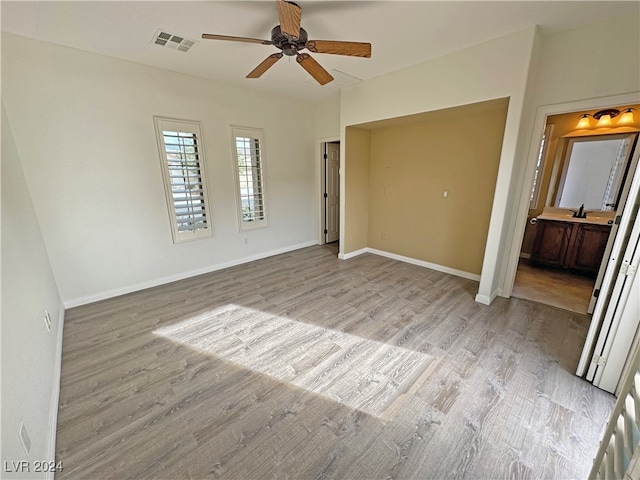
[76, 302]
[483, 299]
[526, 256]
[55, 394]
[488, 300]
[413, 261]
[347, 256]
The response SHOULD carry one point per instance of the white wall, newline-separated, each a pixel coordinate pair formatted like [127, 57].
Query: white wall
[580, 69]
[84, 129]
[597, 60]
[327, 115]
[495, 69]
[30, 354]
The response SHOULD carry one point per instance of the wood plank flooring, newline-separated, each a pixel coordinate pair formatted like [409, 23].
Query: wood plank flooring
[555, 287]
[304, 366]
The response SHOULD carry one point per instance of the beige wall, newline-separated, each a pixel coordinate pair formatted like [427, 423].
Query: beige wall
[499, 68]
[356, 193]
[411, 163]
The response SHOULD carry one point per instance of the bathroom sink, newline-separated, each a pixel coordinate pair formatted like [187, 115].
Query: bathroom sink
[600, 218]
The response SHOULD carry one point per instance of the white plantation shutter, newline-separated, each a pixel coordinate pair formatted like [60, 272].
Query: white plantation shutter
[181, 155]
[248, 149]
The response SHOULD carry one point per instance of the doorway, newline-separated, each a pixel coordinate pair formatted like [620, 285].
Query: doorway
[330, 188]
[562, 259]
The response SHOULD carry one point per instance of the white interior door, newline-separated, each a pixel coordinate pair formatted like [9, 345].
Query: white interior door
[621, 320]
[626, 152]
[332, 192]
[609, 324]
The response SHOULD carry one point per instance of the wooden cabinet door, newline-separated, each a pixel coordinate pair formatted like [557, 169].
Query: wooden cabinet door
[588, 247]
[552, 241]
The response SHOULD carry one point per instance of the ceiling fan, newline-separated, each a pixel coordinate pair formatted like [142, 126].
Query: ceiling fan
[290, 38]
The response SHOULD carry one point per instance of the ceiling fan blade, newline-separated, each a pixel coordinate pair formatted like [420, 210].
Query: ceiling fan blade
[352, 49]
[289, 14]
[211, 36]
[314, 68]
[266, 64]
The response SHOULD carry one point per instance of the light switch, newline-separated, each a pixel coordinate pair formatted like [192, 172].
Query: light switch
[445, 194]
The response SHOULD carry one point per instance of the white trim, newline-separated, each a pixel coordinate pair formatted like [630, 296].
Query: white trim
[412, 261]
[347, 256]
[55, 394]
[488, 300]
[422, 263]
[238, 131]
[524, 255]
[163, 124]
[76, 302]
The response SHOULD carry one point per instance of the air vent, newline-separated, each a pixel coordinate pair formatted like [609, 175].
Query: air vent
[176, 42]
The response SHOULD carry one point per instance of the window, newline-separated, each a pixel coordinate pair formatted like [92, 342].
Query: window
[181, 156]
[537, 176]
[248, 149]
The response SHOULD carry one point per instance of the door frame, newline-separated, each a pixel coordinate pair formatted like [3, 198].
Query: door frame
[320, 168]
[519, 214]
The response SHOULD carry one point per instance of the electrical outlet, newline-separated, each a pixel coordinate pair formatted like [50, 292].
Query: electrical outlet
[25, 441]
[445, 194]
[384, 235]
[47, 320]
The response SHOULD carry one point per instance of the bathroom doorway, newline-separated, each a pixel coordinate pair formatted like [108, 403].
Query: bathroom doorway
[569, 270]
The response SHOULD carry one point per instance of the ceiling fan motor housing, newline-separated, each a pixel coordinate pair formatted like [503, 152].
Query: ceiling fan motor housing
[289, 46]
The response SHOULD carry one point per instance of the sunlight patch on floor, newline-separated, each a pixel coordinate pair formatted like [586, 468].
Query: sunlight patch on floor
[357, 372]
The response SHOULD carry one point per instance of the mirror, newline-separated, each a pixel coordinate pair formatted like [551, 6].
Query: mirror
[593, 171]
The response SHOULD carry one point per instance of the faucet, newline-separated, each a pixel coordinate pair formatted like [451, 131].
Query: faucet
[581, 213]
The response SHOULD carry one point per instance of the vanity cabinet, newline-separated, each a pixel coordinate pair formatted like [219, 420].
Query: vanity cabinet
[575, 246]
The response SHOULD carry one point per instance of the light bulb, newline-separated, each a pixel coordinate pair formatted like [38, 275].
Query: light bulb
[583, 122]
[626, 118]
[604, 121]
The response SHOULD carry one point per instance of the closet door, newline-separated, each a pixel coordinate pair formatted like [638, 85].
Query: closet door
[631, 143]
[621, 321]
[600, 362]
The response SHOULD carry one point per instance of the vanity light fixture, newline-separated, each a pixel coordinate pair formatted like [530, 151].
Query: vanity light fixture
[583, 122]
[605, 118]
[627, 117]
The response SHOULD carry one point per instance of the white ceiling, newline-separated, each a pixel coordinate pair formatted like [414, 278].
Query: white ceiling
[402, 33]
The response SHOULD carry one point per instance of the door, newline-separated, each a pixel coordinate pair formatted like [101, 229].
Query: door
[600, 363]
[629, 149]
[622, 320]
[332, 192]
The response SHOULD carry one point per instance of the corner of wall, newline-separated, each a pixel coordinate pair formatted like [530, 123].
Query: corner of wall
[29, 345]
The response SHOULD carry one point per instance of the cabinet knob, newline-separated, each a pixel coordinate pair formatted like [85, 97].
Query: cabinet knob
[533, 221]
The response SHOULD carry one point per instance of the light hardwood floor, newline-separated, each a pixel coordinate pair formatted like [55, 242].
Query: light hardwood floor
[304, 366]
